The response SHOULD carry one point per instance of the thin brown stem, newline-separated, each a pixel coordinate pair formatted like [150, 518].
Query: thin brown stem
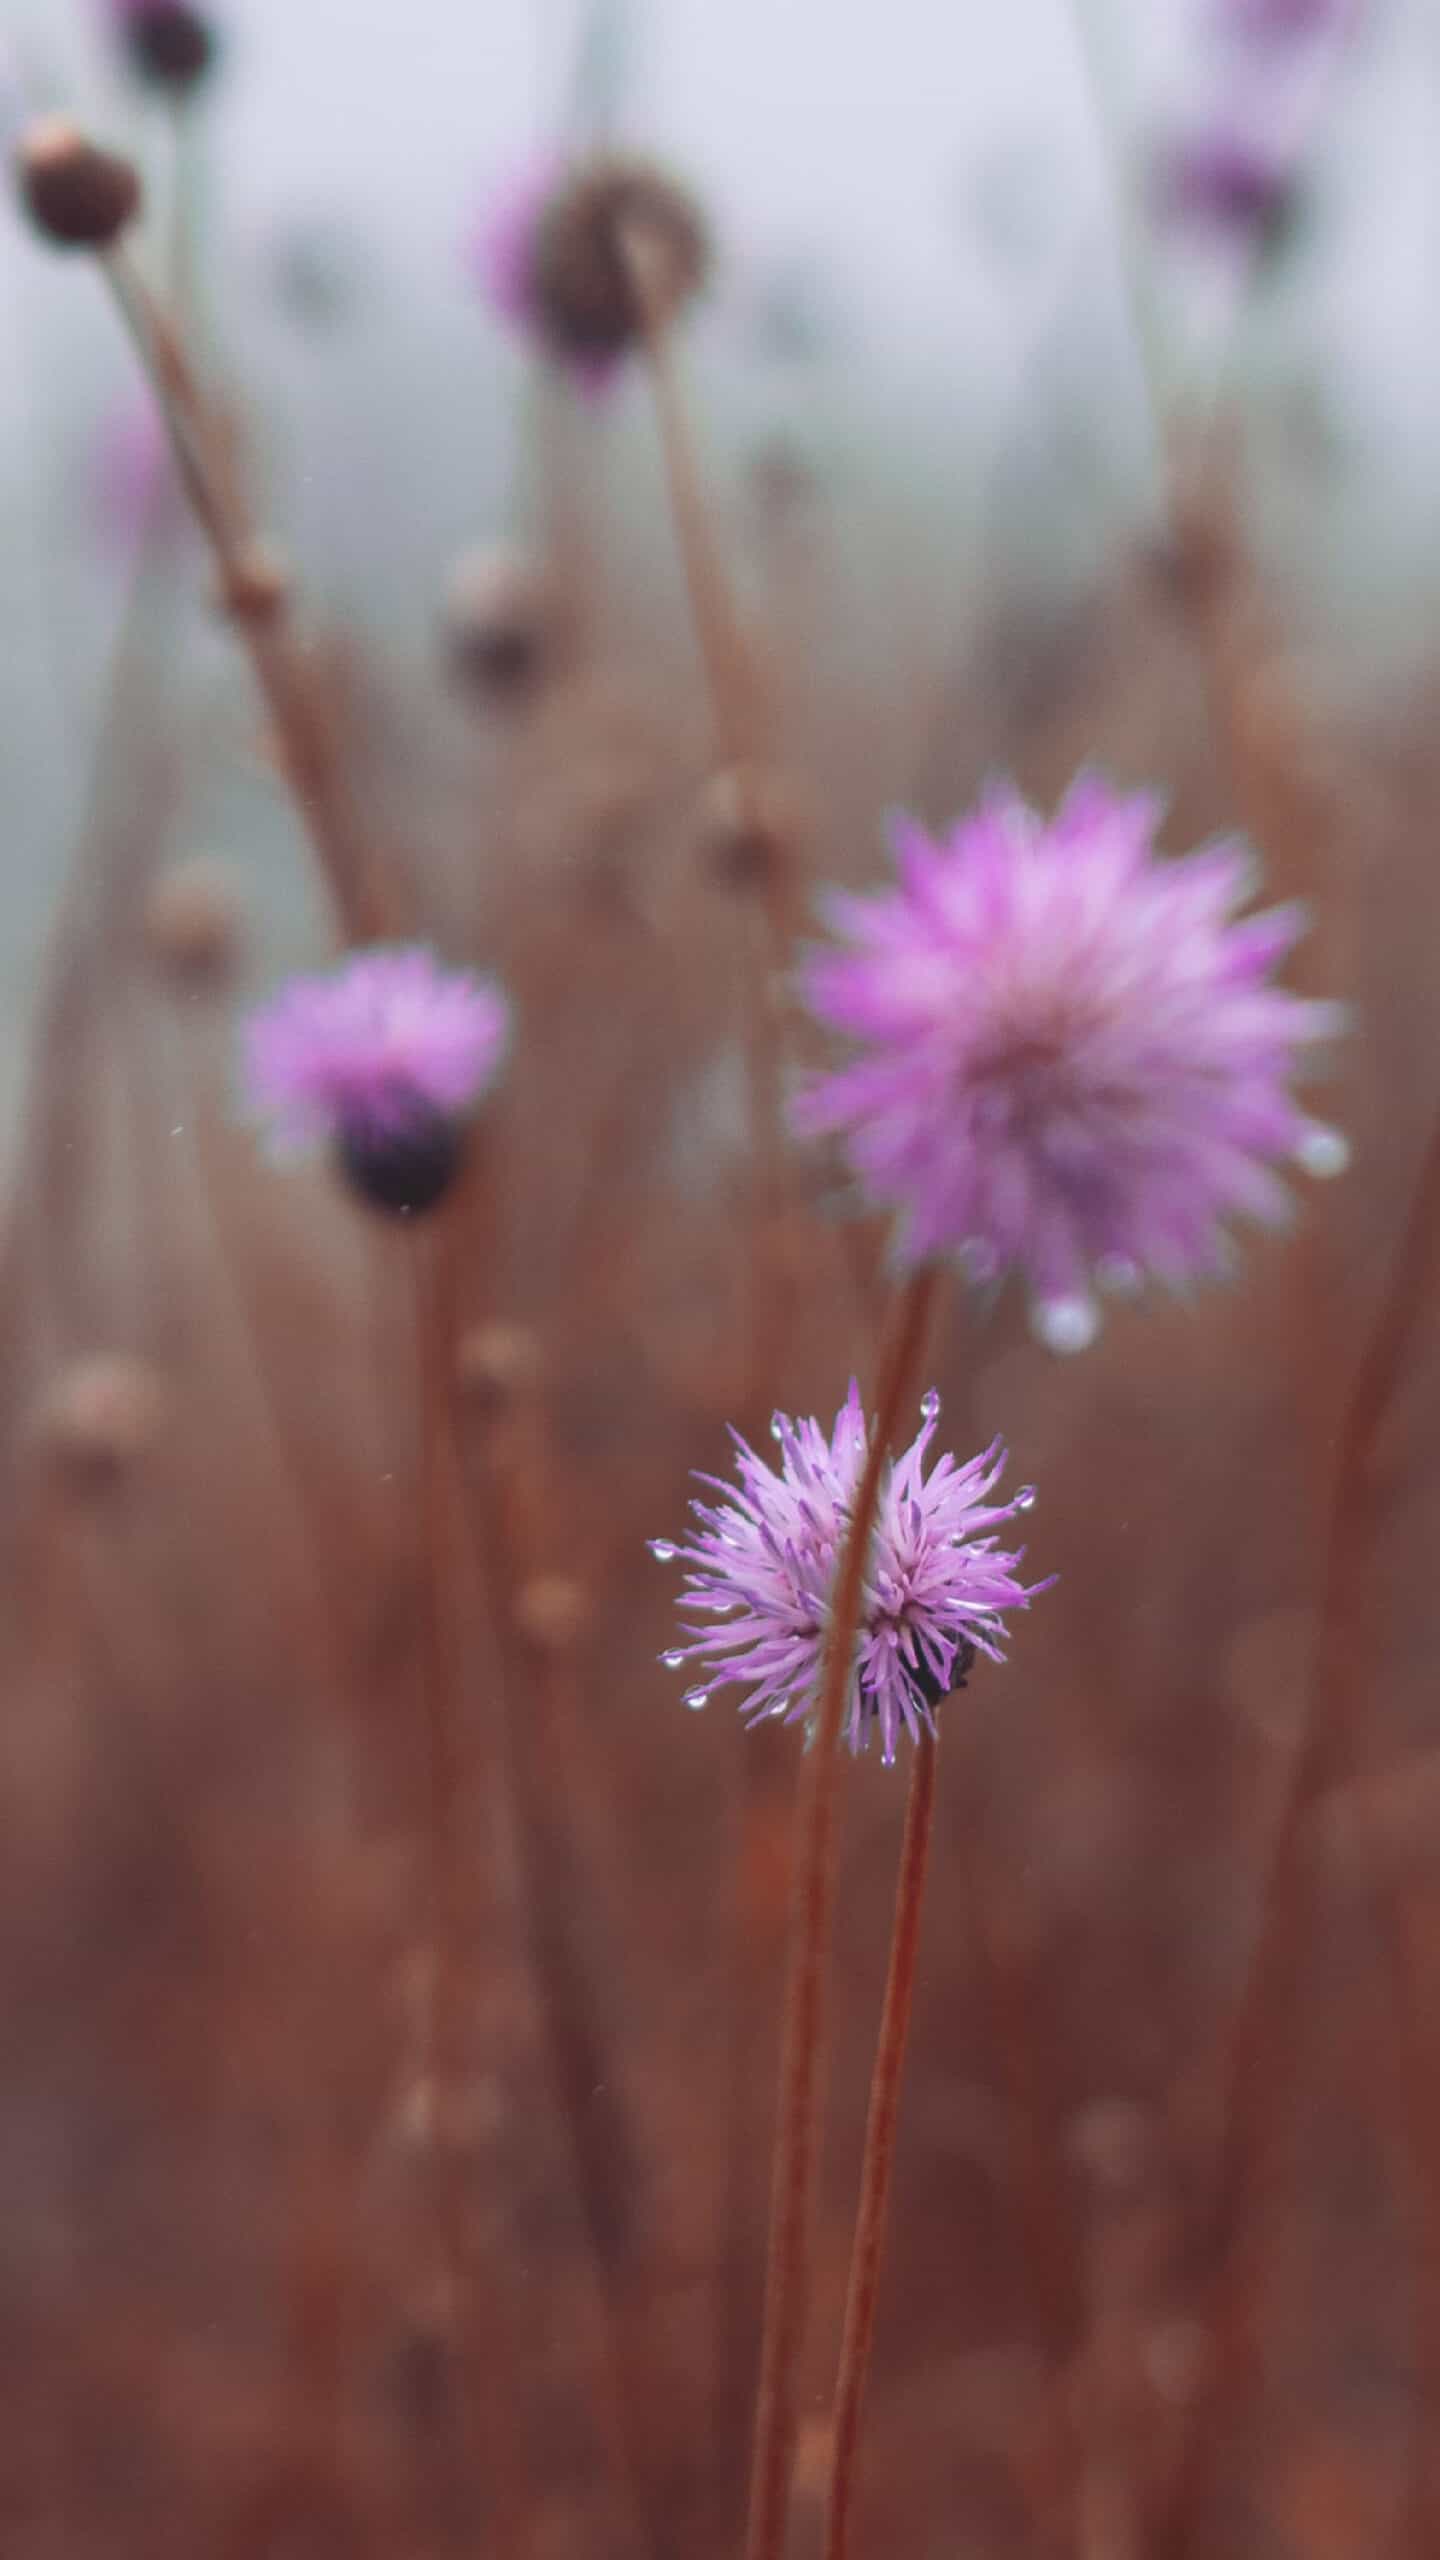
[868, 2247]
[258, 602]
[802, 2076]
[479, 2332]
[1337, 1692]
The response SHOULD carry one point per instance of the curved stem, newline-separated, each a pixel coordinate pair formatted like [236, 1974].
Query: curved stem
[868, 2248]
[801, 2090]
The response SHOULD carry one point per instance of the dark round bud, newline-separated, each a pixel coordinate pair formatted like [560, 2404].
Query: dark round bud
[406, 1170]
[99, 1419]
[748, 824]
[168, 43]
[497, 622]
[610, 217]
[498, 1364]
[79, 196]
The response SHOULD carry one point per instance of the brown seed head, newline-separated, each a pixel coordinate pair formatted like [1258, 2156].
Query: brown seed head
[498, 620]
[614, 226]
[100, 1418]
[497, 1364]
[748, 823]
[194, 923]
[169, 43]
[78, 195]
[552, 1611]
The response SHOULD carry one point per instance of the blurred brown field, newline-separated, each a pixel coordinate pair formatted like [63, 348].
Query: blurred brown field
[1121, 2255]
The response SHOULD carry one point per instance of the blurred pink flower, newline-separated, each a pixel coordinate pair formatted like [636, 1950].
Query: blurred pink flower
[1073, 1063]
[384, 1057]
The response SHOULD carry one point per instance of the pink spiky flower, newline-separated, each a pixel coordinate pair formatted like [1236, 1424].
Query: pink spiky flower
[1073, 1064]
[763, 1563]
[385, 1058]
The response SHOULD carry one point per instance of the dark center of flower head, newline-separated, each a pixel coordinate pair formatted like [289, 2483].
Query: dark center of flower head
[935, 1691]
[403, 1167]
[169, 42]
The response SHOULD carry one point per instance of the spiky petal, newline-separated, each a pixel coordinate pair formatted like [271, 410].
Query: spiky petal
[762, 1564]
[1072, 1061]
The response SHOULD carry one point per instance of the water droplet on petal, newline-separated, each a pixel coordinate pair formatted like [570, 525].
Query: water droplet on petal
[672, 1660]
[777, 1426]
[696, 1699]
[1025, 1498]
[930, 1405]
[663, 1551]
[1119, 1276]
[1323, 1152]
[1065, 1324]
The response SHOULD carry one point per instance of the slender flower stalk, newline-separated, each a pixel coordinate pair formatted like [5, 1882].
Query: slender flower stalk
[854, 1591]
[801, 2078]
[1317, 1761]
[868, 2246]
[255, 591]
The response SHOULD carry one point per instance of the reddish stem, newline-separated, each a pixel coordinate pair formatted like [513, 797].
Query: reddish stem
[868, 2248]
[802, 2077]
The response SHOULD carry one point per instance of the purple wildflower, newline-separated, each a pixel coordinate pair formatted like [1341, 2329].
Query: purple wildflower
[384, 1058]
[763, 1563]
[1222, 183]
[1280, 21]
[1074, 1063]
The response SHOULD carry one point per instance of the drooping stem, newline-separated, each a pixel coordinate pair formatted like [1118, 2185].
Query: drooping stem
[868, 2246]
[256, 596]
[1337, 1692]
[802, 2076]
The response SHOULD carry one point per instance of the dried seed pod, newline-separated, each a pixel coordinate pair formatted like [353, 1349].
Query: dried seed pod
[582, 284]
[552, 1611]
[169, 44]
[498, 1363]
[194, 923]
[100, 1418]
[748, 825]
[75, 192]
[498, 620]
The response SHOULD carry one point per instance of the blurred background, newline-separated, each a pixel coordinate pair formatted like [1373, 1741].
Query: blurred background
[1066, 392]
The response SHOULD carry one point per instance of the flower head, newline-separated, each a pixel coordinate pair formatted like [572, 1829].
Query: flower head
[384, 1058]
[169, 43]
[557, 256]
[1074, 1064]
[1221, 184]
[763, 1564]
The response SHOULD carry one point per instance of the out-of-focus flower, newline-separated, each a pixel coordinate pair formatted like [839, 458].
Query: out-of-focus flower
[557, 256]
[762, 1564]
[1281, 21]
[1074, 1063]
[385, 1059]
[1222, 184]
[167, 42]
